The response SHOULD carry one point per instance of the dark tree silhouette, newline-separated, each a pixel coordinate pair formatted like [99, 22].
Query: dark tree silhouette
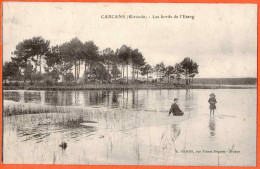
[146, 70]
[169, 71]
[124, 55]
[115, 72]
[188, 69]
[10, 71]
[32, 49]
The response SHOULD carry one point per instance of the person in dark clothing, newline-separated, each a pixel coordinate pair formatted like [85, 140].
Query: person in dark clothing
[175, 110]
[212, 103]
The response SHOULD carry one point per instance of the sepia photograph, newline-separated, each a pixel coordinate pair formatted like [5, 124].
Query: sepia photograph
[164, 84]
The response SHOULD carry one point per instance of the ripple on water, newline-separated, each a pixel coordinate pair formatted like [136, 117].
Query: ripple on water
[38, 133]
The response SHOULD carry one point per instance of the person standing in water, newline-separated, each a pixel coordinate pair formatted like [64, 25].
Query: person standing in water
[212, 103]
[175, 110]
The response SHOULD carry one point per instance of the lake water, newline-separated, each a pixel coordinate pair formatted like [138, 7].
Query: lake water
[145, 135]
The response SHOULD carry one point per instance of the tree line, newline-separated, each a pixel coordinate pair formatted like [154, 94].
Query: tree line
[66, 61]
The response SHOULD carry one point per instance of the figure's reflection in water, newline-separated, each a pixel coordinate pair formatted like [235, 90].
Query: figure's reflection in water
[176, 131]
[212, 127]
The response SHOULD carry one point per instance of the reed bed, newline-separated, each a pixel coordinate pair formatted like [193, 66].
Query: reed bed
[113, 119]
[105, 118]
[13, 108]
[24, 113]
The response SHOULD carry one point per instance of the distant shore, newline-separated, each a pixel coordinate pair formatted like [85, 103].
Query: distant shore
[130, 86]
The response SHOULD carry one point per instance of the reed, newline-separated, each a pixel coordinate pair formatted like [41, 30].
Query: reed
[112, 119]
[46, 114]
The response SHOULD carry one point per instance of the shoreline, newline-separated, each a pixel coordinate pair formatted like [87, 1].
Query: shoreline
[129, 86]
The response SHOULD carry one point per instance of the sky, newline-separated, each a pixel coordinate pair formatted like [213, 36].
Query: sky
[222, 38]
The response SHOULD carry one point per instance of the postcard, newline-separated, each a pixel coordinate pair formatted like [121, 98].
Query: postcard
[164, 84]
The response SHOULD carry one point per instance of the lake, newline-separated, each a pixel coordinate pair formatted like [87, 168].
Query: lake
[143, 134]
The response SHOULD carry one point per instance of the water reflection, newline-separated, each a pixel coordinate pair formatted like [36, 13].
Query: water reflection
[190, 101]
[115, 98]
[176, 131]
[15, 96]
[156, 141]
[212, 127]
[52, 97]
[150, 100]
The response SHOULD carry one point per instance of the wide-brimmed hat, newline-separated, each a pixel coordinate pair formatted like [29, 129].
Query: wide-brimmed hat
[212, 94]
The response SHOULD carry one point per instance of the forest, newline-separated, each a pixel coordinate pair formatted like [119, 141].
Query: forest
[37, 62]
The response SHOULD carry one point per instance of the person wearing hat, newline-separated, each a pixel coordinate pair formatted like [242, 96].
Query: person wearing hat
[212, 103]
[175, 110]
